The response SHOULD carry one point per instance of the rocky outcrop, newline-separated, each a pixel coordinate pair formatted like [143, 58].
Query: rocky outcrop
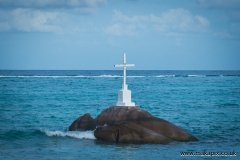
[85, 122]
[131, 125]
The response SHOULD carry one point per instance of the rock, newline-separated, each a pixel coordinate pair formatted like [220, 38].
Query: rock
[145, 119]
[127, 132]
[85, 122]
[131, 125]
[120, 114]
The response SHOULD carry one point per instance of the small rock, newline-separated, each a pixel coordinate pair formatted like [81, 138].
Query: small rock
[85, 122]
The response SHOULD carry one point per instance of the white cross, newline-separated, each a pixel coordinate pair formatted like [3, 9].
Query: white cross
[124, 95]
[124, 65]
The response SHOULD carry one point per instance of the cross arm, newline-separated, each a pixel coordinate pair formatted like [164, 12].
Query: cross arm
[129, 65]
[124, 65]
[119, 65]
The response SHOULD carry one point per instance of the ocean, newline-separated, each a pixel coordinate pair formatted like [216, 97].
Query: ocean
[37, 107]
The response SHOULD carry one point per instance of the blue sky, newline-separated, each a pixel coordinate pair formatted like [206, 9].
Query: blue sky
[93, 34]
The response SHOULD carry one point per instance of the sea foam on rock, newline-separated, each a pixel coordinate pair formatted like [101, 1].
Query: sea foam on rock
[131, 125]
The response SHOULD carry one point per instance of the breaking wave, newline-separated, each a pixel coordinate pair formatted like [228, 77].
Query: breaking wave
[76, 76]
[74, 134]
[163, 76]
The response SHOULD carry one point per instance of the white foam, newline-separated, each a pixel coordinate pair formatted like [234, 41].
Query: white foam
[162, 76]
[74, 134]
[196, 75]
[136, 76]
[77, 76]
[107, 76]
[36, 76]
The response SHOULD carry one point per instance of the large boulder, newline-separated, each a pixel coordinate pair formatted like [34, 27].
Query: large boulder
[127, 132]
[131, 125]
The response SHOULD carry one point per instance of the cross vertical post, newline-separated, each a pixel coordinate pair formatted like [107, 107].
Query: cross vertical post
[124, 70]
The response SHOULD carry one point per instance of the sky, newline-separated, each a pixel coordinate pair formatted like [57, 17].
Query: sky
[94, 34]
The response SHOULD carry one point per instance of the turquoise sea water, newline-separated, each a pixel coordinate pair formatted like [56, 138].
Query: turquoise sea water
[36, 108]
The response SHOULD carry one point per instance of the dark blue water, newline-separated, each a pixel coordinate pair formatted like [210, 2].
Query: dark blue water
[36, 108]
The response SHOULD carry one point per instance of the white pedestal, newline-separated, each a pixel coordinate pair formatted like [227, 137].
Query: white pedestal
[124, 98]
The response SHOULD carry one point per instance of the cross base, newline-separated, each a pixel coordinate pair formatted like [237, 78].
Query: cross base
[124, 98]
[131, 104]
[126, 107]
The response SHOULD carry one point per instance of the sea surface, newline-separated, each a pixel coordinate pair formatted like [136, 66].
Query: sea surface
[37, 107]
